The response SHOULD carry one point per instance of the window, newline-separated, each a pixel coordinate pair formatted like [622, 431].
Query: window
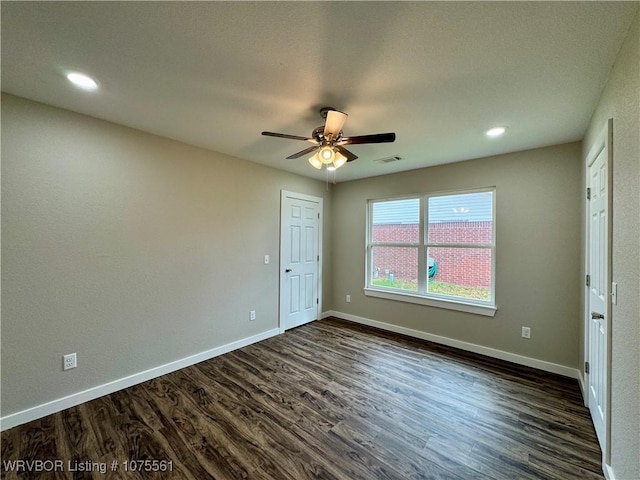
[434, 249]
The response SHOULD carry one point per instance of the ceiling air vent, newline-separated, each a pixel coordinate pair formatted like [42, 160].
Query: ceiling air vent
[394, 158]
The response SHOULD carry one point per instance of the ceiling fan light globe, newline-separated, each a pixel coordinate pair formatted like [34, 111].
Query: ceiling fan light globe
[333, 123]
[339, 160]
[326, 155]
[315, 161]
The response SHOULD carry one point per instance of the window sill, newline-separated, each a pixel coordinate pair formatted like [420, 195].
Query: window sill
[487, 310]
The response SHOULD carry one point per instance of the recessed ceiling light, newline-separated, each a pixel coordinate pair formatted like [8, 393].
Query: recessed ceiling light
[81, 80]
[495, 131]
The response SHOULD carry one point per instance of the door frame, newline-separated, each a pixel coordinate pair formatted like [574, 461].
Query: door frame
[282, 277]
[604, 140]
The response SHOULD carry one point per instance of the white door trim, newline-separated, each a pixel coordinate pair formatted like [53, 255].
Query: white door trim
[310, 198]
[603, 141]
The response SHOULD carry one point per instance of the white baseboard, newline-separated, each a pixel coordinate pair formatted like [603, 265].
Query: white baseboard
[583, 388]
[608, 472]
[74, 399]
[470, 347]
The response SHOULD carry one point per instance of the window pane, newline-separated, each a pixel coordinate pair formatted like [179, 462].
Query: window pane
[465, 218]
[395, 267]
[396, 221]
[460, 272]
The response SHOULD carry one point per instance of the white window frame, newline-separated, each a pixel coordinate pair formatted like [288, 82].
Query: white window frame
[422, 297]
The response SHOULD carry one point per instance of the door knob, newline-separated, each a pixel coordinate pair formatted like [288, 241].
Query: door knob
[288, 270]
[597, 316]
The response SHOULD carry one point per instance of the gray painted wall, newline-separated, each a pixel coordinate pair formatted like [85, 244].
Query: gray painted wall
[620, 100]
[130, 249]
[537, 259]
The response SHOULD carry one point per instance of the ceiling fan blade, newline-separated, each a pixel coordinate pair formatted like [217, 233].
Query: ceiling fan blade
[286, 135]
[375, 138]
[333, 123]
[303, 152]
[350, 156]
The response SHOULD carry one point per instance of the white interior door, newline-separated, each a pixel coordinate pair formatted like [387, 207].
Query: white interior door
[598, 300]
[300, 242]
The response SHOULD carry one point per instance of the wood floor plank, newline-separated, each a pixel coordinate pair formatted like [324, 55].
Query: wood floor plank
[274, 429]
[389, 451]
[329, 400]
[243, 423]
[206, 438]
[276, 394]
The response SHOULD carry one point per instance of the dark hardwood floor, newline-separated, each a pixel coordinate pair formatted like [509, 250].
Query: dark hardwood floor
[331, 400]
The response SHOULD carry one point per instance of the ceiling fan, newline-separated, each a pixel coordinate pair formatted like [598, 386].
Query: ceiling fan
[328, 141]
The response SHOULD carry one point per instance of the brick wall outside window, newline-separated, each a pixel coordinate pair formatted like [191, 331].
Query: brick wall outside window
[466, 267]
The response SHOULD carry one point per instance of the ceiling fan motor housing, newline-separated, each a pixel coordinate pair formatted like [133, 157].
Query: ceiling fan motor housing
[318, 135]
[325, 110]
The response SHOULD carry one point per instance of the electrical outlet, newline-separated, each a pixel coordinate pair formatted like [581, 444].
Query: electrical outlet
[348, 298]
[252, 315]
[526, 332]
[69, 361]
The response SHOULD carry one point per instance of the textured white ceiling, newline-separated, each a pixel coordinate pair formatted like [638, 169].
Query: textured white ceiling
[216, 74]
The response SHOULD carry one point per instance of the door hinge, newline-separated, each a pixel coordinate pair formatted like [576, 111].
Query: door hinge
[588, 280]
[318, 216]
[588, 194]
[318, 259]
[317, 301]
[586, 367]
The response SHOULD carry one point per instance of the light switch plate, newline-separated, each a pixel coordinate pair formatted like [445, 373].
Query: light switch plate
[614, 293]
[266, 259]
